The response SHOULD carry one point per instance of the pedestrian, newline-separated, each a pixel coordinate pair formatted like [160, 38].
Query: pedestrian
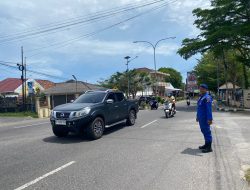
[205, 118]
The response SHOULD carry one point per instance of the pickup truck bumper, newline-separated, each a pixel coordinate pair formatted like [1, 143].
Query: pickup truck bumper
[72, 124]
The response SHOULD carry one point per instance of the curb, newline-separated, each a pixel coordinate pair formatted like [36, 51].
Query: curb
[231, 109]
[25, 122]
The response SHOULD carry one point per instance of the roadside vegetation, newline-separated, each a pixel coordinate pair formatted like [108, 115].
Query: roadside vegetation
[247, 176]
[140, 81]
[223, 43]
[19, 114]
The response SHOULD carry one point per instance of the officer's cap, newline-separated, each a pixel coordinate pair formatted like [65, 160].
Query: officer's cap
[204, 86]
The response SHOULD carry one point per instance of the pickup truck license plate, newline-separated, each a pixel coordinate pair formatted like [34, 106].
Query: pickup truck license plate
[60, 122]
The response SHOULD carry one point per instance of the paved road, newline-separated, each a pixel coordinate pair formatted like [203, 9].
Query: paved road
[156, 153]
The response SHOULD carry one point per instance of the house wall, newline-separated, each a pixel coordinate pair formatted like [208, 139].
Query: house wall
[247, 98]
[57, 100]
[148, 91]
[36, 85]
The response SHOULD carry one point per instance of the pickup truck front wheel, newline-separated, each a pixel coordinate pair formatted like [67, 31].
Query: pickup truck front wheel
[131, 118]
[95, 129]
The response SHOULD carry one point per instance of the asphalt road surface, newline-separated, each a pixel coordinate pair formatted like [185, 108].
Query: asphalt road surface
[155, 154]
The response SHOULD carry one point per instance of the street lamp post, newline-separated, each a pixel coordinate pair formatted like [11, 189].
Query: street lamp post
[128, 61]
[76, 82]
[154, 46]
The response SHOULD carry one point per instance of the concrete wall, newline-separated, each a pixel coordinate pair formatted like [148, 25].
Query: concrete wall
[247, 98]
[43, 112]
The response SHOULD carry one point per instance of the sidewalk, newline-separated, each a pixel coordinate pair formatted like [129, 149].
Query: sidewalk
[10, 121]
[232, 109]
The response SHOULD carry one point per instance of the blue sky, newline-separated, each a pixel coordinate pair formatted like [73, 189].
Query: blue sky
[95, 58]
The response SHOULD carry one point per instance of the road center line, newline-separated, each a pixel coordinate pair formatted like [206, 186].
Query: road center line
[148, 124]
[31, 125]
[44, 176]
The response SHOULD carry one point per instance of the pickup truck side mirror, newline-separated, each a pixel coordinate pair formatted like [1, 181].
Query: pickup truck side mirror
[110, 101]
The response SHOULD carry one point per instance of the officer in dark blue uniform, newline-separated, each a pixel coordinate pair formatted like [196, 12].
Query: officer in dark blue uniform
[205, 118]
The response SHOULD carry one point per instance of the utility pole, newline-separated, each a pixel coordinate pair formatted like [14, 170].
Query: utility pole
[76, 82]
[21, 68]
[127, 58]
[218, 82]
[128, 61]
[25, 85]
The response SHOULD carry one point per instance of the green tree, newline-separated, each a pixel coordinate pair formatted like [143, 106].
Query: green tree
[137, 82]
[175, 77]
[206, 70]
[224, 27]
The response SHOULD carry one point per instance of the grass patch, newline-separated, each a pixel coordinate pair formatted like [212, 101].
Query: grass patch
[247, 175]
[19, 114]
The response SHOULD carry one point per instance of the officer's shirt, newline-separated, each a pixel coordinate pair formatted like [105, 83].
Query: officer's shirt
[204, 108]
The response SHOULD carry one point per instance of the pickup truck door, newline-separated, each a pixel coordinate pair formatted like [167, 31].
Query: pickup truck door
[112, 114]
[122, 106]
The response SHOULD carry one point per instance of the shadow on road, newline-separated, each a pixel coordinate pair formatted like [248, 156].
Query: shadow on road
[191, 151]
[70, 139]
[74, 138]
[114, 128]
[186, 108]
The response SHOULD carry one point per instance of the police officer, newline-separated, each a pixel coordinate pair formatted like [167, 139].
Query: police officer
[205, 118]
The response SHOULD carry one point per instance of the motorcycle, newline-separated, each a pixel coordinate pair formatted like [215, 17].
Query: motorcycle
[169, 110]
[188, 102]
[153, 104]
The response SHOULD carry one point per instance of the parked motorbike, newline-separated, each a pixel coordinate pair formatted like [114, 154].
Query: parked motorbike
[169, 110]
[188, 102]
[153, 104]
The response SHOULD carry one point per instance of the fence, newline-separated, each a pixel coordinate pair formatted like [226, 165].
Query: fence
[10, 104]
[15, 104]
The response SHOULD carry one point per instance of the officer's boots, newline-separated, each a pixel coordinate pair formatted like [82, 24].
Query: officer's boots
[208, 148]
[202, 147]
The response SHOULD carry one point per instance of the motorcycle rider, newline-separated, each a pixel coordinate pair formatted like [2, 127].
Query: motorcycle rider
[171, 99]
[188, 100]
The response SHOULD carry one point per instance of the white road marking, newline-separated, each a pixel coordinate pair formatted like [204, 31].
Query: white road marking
[44, 176]
[31, 125]
[148, 124]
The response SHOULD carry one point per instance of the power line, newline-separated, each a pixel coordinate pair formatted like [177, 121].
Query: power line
[77, 18]
[65, 43]
[34, 72]
[75, 23]
[11, 62]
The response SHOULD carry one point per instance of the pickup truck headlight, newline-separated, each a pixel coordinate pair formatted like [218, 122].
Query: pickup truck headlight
[52, 113]
[82, 112]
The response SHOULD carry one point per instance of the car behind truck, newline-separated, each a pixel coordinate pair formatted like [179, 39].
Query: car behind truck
[92, 112]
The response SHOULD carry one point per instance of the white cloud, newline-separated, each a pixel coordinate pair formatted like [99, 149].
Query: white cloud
[16, 16]
[113, 48]
[21, 16]
[124, 26]
[181, 14]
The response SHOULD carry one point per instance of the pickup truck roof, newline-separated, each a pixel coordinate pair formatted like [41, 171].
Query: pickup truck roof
[106, 91]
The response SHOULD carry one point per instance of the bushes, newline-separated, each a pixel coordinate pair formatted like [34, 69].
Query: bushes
[180, 98]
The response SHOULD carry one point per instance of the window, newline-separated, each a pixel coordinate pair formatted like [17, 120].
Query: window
[93, 97]
[120, 97]
[111, 96]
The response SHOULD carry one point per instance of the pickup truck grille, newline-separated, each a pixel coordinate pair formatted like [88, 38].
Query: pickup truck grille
[64, 115]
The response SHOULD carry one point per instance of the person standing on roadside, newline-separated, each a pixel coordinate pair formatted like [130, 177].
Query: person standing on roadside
[205, 118]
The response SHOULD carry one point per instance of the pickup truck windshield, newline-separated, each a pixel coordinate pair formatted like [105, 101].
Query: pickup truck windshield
[91, 98]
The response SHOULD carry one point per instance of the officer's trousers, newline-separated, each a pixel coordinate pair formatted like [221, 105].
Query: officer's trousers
[206, 130]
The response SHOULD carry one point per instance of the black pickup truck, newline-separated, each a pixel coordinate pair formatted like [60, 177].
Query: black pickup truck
[92, 112]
